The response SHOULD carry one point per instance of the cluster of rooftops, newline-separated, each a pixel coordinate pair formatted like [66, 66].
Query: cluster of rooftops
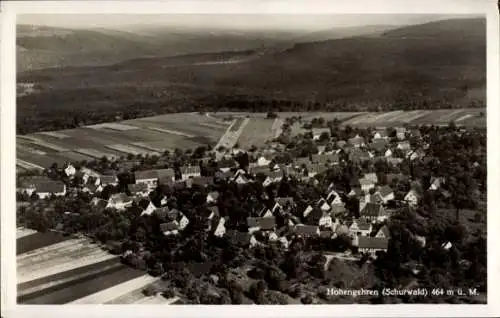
[328, 217]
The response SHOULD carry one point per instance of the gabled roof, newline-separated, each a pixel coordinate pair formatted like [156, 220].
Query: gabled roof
[162, 212]
[108, 179]
[372, 209]
[146, 174]
[120, 197]
[283, 201]
[363, 226]
[166, 173]
[190, 169]
[385, 230]
[337, 208]
[319, 131]
[170, 226]
[136, 188]
[385, 191]
[49, 186]
[357, 191]
[373, 242]
[364, 181]
[302, 229]
[267, 223]
[252, 222]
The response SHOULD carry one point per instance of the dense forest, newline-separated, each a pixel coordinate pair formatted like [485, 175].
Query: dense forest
[399, 70]
[195, 263]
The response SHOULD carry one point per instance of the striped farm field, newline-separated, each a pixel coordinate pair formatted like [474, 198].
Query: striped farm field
[73, 271]
[256, 132]
[191, 130]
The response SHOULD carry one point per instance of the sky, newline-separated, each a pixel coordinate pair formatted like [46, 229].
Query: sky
[309, 22]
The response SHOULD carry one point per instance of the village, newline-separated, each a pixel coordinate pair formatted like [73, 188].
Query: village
[349, 184]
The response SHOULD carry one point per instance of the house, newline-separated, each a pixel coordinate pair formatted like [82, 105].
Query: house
[284, 203]
[386, 194]
[148, 177]
[355, 192]
[261, 224]
[265, 212]
[373, 212]
[325, 158]
[46, 188]
[414, 155]
[378, 145]
[212, 197]
[415, 133]
[315, 168]
[323, 205]
[366, 184]
[190, 172]
[317, 132]
[371, 176]
[358, 155]
[413, 197]
[380, 134]
[371, 245]
[394, 161]
[341, 144]
[356, 141]
[436, 183]
[166, 176]
[70, 170]
[98, 202]
[139, 189]
[220, 228]
[200, 181]
[169, 228]
[242, 238]
[360, 228]
[302, 230]
[383, 232]
[395, 177]
[262, 161]
[400, 133]
[388, 153]
[92, 188]
[337, 209]
[404, 145]
[150, 209]
[241, 179]
[273, 176]
[179, 217]
[119, 201]
[301, 161]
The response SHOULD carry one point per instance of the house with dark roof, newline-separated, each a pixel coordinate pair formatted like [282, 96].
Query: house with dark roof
[212, 197]
[261, 224]
[190, 172]
[139, 189]
[355, 192]
[169, 228]
[148, 177]
[331, 158]
[366, 184]
[373, 212]
[356, 141]
[360, 228]
[302, 230]
[386, 194]
[371, 245]
[46, 188]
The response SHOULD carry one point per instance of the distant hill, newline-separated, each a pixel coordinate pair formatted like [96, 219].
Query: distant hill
[345, 32]
[46, 47]
[419, 67]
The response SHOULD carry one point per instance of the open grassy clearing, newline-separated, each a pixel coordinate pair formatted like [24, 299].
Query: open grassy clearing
[38, 240]
[50, 251]
[74, 156]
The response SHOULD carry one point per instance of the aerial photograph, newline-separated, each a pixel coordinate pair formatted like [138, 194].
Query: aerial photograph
[266, 159]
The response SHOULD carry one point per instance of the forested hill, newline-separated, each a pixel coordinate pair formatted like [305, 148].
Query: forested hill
[434, 65]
